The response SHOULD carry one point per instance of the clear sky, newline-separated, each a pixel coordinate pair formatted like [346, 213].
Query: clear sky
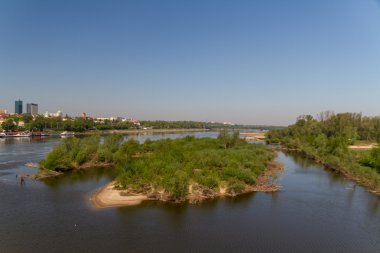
[252, 62]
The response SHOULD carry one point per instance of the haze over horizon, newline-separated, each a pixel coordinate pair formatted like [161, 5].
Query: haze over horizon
[248, 62]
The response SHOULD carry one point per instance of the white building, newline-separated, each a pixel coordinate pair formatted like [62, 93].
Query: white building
[58, 114]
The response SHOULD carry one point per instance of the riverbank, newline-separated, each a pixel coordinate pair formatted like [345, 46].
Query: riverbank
[110, 196]
[366, 177]
[140, 131]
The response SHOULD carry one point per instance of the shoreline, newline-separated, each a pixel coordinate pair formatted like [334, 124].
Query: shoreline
[108, 196]
[137, 131]
[348, 173]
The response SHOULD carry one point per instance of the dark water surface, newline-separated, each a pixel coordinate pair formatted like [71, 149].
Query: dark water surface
[316, 211]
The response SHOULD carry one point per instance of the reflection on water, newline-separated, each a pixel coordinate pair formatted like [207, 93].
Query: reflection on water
[74, 177]
[316, 211]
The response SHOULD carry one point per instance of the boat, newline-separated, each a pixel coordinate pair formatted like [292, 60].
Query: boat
[36, 134]
[15, 134]
[22, 134]
[67, 134]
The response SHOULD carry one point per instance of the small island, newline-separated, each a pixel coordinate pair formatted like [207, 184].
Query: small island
[187, 169]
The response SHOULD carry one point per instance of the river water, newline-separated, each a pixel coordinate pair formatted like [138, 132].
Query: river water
[316, 211]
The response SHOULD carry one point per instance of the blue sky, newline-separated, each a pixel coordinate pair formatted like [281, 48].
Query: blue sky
[251, 62]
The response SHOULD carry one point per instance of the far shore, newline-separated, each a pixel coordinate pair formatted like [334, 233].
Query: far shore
[109, 196]
[137, 131]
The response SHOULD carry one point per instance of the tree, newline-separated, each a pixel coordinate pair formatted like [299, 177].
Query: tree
[79, 125]
[27, 118]
[8, 125]
[38, 123]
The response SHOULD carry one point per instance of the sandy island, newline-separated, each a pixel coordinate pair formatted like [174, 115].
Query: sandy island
[109, 196]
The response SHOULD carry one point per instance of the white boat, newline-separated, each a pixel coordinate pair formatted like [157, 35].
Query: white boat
[23, 134]
[67, 134]
[14, 134]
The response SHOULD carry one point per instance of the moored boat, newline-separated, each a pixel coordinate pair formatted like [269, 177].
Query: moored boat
[23, 134]
[40, 134]
[67, 134]
[15, 134]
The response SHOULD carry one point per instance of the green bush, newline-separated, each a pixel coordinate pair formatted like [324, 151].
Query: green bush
[235, 186]
[177, 186]
[58, 159]
[210, 181]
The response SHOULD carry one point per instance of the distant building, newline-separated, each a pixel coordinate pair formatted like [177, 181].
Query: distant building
[18, 107]
[3, 111]
[108, 119]
[58, 114]
[32, 109]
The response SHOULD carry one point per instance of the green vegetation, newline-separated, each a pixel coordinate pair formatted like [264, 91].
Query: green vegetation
[78, 153]
[326, 140]
[209, 163]
[9, 125]
[168, 167]
[370, 158]
[40, 123]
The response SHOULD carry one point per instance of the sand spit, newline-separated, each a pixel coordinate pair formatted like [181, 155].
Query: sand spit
[362, 147]
[109, 196]
[254, 136]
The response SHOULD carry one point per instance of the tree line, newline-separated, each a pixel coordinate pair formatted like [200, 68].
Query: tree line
[40, 123]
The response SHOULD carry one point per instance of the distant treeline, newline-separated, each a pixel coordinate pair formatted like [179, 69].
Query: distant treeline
[40, 123]
[326, 140]
[160, 124]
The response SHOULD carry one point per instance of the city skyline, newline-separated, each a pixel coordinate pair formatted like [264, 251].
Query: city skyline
[248, 62]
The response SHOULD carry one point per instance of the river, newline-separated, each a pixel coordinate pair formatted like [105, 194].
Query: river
[316, 211]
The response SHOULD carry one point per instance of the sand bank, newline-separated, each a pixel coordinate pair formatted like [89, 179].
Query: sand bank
[253, 136]
[108, 196]
[362, 147]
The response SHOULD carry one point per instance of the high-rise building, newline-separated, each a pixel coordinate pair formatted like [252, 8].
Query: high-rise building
[18, 107]
[32, 109]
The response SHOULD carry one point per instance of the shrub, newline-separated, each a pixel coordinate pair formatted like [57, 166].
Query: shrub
[177, 186]
[235, 186]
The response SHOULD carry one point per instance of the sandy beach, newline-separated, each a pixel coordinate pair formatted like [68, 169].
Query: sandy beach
[108, 196]
[362, 147]
[254, 136]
